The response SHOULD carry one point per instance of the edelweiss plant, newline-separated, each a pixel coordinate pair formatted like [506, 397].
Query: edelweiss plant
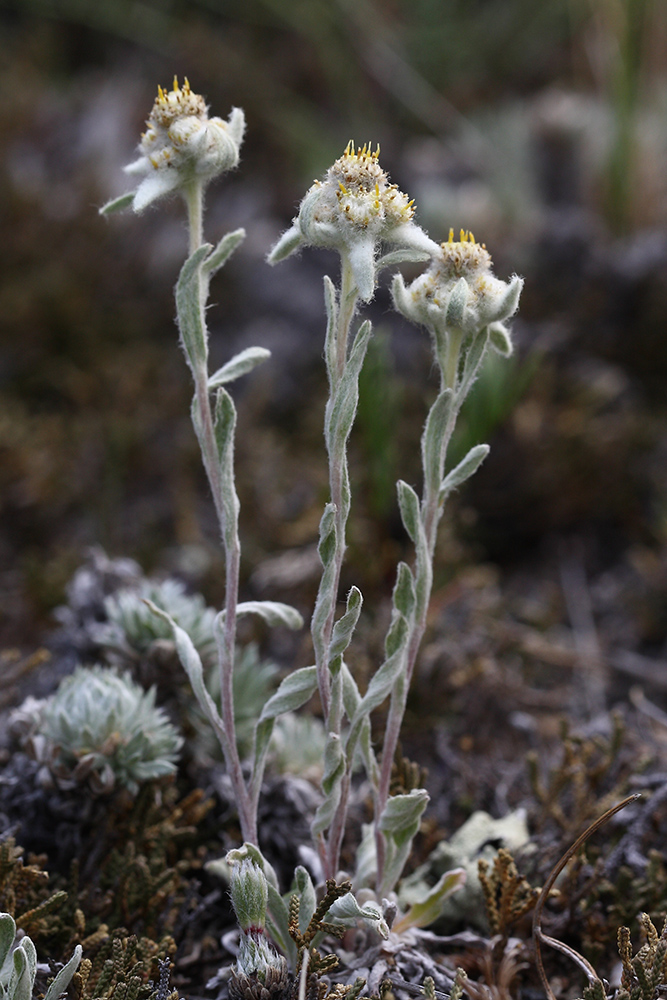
[356, 211]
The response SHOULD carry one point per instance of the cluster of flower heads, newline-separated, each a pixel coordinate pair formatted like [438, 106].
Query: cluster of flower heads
[458, 291]
[354, 210]
[181, 145]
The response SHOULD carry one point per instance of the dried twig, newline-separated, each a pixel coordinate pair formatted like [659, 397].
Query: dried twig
[538, 934]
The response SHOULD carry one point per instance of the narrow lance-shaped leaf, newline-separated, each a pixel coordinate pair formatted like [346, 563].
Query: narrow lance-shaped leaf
[294, 691]
[500, 340]
[239, 365]
[344, 405]
[223, 251]
[434, 436]
[457, 304]
[404, 591]
[64, 977]
[118, 204]
[466, 468]
[345, 626]
[428, 909]
[346, 910]
[331, 306]
[408, 503]
[381, 684]
[403, 256]
[191, 663]
[274, 613]
[7, 935]
[399, 823]
[224, 426]
[20, 982]
[327, 593]
[189, 308]
[351, 702]
[472, 362]
[307, 898]
[334, 769]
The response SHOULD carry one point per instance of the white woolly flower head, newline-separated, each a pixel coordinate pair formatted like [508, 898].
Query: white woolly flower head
[181, 144]
[458, 291]
[354, 210]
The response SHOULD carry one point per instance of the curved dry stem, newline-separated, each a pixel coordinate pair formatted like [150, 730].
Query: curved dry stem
[538, 934]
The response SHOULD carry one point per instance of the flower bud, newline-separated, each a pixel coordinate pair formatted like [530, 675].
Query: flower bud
[181, 144]
[353, 210]
[250, 894]
[459, 292]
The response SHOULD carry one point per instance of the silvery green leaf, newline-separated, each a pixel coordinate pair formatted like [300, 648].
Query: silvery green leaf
[426, 910]
[64, 977]
[435, 432]
[382, 682]
[331, 305]
[399, 823]
[351, 702]
[327, 593]
[7, 935]
[347, 911]
[223, 251]
[407, 255]
[365, 866]
[189, 308]
[277, 924]
[466, 468]
[118, 204]
[307, 898]
[507, 304]
[290, 241]
[499, 339]
[351, 695]
[327, 542]
[21, 982]
[404, 591]
[473, 359]
[224, 424]
[403, 301]
[224, 427]
[240, 364]
[294, 691]
[340, 415]
[402, 814]
[396, 633]
[345, 626]
[273, 612]
[458, 300]
[334, 769]
[408, 503]
[191, 663]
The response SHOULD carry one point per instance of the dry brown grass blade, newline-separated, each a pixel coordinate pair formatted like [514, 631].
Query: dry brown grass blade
[539, 936]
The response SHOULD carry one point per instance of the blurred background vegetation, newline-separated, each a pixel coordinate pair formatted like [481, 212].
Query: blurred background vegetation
[539, 124]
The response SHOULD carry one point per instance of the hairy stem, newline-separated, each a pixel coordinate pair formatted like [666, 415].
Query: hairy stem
[331, 695]
[431, 512]
[221, 482]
